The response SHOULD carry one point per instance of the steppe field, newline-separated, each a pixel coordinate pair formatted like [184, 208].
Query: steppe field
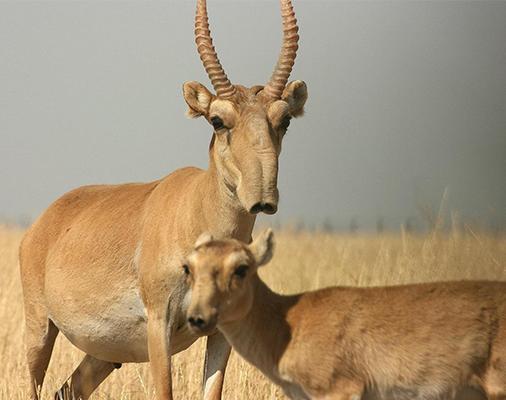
[303, 260]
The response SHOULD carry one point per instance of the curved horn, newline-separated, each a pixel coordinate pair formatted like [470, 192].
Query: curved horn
[221, 84]
[274, 89]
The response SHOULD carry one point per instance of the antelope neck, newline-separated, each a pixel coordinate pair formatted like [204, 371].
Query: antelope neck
[221, 208]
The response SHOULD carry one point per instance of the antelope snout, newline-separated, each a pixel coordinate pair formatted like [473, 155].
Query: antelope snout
[202, 324]
[267, 203]
[268, 208]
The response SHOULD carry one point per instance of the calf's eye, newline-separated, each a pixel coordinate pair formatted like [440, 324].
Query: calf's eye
[186, 269]
[241, 271]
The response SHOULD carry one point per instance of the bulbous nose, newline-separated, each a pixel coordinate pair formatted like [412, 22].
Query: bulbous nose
[268, 208]
[257, 207]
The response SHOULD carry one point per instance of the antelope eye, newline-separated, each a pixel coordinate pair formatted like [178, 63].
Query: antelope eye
[217, 123]
[241, 271]
[285, 123]
[186, 269]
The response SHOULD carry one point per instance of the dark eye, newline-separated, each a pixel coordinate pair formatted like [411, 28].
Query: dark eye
[186, 269]
[217, 123]
[241, 271]
[285, 123]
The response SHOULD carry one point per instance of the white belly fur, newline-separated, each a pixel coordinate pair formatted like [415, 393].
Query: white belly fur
[116, 332]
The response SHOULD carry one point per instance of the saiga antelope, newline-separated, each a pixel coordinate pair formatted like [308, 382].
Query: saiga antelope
[102, 263]
[420, 341]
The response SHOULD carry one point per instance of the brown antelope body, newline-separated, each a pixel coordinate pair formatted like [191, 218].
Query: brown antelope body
[102, 264]
[420, 341]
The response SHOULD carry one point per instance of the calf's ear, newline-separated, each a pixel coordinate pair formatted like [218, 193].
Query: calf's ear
[262, 247]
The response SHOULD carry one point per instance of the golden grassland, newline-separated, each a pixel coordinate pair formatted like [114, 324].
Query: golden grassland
[302, 261]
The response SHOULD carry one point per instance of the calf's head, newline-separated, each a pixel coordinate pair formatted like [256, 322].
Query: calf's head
[221, 275]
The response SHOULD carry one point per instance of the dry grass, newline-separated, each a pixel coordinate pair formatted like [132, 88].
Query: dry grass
[302, 261]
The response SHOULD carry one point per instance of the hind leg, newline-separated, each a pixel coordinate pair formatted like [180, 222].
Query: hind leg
[40, 337]
[85, 379]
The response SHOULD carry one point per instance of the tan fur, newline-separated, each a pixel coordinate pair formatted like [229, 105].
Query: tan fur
[420, 341]
[103, 263]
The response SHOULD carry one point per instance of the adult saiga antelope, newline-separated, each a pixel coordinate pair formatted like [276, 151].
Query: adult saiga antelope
[421, 341]
[102, 265]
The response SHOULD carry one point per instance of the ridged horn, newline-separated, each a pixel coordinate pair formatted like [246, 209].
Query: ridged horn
[274, 89]
[221, 84]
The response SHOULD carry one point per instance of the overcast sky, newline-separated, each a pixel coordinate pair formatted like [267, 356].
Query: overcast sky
[405, 99]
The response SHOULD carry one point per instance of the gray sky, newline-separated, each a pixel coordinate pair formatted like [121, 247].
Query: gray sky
[405, 98]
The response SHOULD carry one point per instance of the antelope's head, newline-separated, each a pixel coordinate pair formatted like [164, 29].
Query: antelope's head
[221, 274]
[249, 123]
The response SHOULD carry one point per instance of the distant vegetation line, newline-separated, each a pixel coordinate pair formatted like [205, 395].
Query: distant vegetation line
[356, 225]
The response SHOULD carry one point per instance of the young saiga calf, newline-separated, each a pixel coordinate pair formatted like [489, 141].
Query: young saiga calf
[422, 341]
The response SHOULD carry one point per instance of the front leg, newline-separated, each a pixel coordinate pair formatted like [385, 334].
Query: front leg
[217, 354]
[160, 329]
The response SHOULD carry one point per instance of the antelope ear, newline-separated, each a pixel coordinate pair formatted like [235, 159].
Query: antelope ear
[262, 247]
[203, 238]
[198, 99]
[295, 94]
